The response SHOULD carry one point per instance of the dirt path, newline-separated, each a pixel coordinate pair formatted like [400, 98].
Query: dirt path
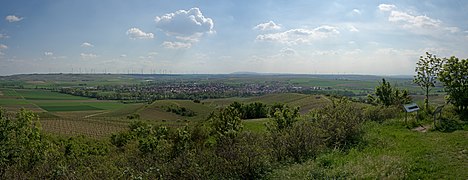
[423, 129]
[91, 115]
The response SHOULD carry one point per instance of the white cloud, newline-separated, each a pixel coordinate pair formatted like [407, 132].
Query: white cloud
[135, 33]
[409, 20]
[176, 45]
[88, 56]
[153, 53]
[296, 36]
[386, 7]
[13, 18]
[123, 55]
[356, 12]
[267, 26]
[351, 28]
[3, 46]
[184, 23]
[287, 52]
[453, 29]
[87, 44]
[48, 53]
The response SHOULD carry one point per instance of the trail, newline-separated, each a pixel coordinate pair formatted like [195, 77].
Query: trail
[421, 128]
[91, 115]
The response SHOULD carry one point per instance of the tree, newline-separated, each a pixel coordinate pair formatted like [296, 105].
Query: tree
[21, 142]
[454, 76]
[427, 70]
[226, 123]
[388, 95]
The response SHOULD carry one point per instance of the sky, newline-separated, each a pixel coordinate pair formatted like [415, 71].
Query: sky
[216, 37]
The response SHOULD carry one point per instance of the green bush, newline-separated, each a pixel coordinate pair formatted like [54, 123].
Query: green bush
[340, 124]
[381, 113]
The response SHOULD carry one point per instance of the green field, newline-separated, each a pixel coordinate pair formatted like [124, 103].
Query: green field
[69, 108]
[45, 95]
[66, 114]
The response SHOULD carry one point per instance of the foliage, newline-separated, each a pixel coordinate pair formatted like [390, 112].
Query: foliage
[340, 124]
[133, 116]
[283, 118]
[252, 110]
[226, 122]
[427, 70]
[21, 143]
[454, 76]
[381, 113]
[183, 111]
[388, 95]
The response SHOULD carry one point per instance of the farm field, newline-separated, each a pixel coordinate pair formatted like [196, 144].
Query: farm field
[69, 112]
[66, 114]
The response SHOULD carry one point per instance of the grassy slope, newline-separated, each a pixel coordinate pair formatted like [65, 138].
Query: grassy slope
[391, 151]
[305, 102]
[156, 113]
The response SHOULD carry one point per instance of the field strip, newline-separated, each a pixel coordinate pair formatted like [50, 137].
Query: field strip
[22, 97]
[91, 115]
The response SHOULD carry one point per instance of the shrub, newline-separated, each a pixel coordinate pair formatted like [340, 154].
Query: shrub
[340, 124]
[381, 113]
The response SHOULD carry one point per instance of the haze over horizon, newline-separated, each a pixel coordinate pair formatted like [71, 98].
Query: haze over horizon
[218, 37]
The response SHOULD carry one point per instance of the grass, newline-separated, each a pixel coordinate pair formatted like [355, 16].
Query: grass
[390, 151]
[33, 94]
[69, 108]
[156, 113]
[255, 125]
[305, 102]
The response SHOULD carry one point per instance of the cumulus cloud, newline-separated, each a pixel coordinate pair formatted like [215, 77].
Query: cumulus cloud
[416, 23]
[176, 45]
[88, 55]
[123, 55]
[267, 26]
[409, 20]
[453, 29]
[386, 7]
[135, 33]
[287, 51]
[296, 36]
[13, 18]
[356, 12]
[184, 23]
[48, 53]
[87, 44]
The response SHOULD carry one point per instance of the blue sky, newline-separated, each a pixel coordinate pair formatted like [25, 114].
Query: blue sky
[302, 36]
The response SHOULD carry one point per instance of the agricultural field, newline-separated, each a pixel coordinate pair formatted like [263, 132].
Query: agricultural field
[66, 114]
[72, 115]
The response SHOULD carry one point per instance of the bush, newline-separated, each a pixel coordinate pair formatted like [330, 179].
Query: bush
[340, 124]
[381, 113]
[449, 124]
